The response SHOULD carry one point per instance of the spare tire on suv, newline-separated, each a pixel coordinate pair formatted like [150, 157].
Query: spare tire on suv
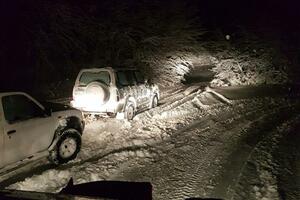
[98, 91]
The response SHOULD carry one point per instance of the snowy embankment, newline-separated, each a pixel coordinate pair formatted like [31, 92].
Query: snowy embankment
[247, 71]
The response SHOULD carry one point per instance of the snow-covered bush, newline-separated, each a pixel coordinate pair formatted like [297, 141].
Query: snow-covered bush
[249, 60]
[247, 71]
[169, 71]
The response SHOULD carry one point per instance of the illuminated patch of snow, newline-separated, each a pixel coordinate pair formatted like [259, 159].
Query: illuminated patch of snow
[191, 90]
[252, 71]
[50, 180]
[120, 116]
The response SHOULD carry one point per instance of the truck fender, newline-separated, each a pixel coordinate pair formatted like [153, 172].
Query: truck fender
[56, 139]
[64, 124]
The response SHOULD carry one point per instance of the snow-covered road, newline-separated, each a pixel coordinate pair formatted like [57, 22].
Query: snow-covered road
[195, 144]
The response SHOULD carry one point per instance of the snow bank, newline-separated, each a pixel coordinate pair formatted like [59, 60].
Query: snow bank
[171, 71]
[247, 70]
[50, 180]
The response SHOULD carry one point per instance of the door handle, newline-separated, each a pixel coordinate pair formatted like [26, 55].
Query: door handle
[11, 132]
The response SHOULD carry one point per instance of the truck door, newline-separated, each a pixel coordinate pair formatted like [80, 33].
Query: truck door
[27, 130]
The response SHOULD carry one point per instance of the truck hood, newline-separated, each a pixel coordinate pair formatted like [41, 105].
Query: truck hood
[56, 107]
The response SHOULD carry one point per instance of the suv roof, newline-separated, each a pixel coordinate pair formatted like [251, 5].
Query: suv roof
[125, 69]
[110, 68]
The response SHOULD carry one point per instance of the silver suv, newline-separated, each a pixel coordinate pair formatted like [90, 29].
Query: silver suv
[111, 91]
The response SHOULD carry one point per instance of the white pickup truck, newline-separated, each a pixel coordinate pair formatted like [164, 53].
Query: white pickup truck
[29, 129]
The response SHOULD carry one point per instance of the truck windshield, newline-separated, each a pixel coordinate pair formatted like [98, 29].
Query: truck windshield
[88, 77]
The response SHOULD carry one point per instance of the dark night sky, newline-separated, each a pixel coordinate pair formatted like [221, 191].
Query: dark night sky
[251, 12]
[282, 16]
[221, 12]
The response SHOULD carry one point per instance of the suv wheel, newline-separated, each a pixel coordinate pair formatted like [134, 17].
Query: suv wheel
[129, 111]
[67, 147]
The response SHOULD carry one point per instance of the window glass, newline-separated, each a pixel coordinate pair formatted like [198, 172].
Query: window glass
[88, 77]
[122, 78]
[19, 107]
[130, 77]
[139, 77]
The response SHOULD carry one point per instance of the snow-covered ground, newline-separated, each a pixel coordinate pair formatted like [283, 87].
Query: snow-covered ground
[182, 147]
[272, 170]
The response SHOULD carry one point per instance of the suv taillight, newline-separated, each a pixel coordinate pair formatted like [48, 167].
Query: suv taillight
[78, 91]
[118, 95]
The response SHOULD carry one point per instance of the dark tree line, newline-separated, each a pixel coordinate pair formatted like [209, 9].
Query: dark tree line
[48, 41]
[45, 42]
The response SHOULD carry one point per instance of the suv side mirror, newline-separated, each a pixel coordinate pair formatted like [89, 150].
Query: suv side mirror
[148, 81]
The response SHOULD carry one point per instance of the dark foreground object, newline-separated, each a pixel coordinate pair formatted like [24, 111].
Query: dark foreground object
[116, 190]
[111, 189]
[105, 190]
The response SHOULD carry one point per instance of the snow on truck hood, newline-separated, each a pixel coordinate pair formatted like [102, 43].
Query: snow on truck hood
[62, 110]
[56, 107]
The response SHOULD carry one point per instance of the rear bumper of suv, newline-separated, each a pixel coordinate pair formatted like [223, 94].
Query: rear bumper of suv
[89, 107]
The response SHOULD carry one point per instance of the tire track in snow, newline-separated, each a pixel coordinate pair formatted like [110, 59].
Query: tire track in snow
[212, 122]
[189, 188]
[40, 169]
[260, 128]
[261, 175]
[164, 107]
[193, 176]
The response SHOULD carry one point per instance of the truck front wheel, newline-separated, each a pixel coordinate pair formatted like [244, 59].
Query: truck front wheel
[67, 147]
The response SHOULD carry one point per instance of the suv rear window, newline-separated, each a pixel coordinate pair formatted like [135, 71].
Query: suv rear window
[122, 79]
[88, 77]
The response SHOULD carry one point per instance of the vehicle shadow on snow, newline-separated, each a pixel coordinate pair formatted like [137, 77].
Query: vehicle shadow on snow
[42, 168]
